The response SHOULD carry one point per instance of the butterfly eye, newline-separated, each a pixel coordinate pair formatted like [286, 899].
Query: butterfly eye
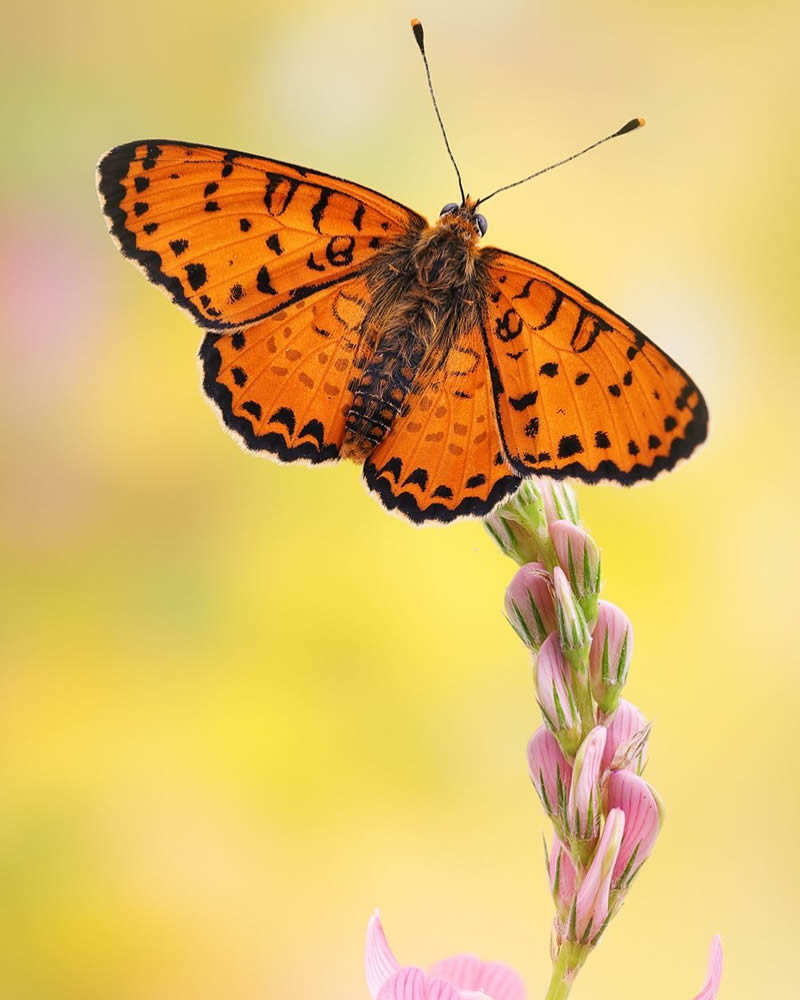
[481, 223]
[449, 208]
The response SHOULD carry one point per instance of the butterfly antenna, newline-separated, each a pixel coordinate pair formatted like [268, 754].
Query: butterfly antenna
[416, 27]
[634, 123]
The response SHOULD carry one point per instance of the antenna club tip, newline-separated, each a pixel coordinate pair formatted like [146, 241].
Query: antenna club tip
[634, 123]
[416, 27]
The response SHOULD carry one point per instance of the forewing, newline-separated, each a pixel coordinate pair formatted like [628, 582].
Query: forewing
[282, 383]
[443, 458]
[235, 238]
[579, 391]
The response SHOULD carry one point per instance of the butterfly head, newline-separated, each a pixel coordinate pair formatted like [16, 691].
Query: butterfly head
[464, 217]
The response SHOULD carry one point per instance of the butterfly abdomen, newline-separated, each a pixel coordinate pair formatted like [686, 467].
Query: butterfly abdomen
[429, 285]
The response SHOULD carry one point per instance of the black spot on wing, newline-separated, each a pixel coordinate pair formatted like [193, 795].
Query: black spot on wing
[569, 445]
[394, 467]
[263, 283]
[196, 275]
[418, 477]
[601, 440]
[313, 429]
[523, 402]
[475, 481]
[284, 415]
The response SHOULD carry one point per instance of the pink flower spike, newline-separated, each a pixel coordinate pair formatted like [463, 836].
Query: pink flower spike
[555, 696]
[578, 556]
[583, 806]
[474, 978]
[591, 909]
[550, 773]
[643, 815]
[711, 985]
[625, 724]
[379, 962]
[529, 605]
[610, 655]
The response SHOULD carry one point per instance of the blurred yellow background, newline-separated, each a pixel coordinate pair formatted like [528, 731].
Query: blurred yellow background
[241, 706]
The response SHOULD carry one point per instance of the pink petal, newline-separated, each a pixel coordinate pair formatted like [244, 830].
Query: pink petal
[550, 771]
[578, 556]
[469, 973]
[711, 985]
[440, 989]
[554, 691]
[559, 500]
[630, 793]
[624, 724]
[379, 962]
[407, 984]
[592, 900]
[583, 804]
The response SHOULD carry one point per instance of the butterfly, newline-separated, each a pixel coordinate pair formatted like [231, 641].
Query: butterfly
[340, 324]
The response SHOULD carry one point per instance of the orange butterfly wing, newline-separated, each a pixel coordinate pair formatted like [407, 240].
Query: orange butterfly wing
[443, 458]
[579, 391]
[282, 384]
[234, 238]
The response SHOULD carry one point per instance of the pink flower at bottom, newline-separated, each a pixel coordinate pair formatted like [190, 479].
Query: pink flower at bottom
[462, 977]
[711, 985]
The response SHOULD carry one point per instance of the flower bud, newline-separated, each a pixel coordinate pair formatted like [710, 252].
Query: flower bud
[572, 626]
[561, 872]
[643, 816]
[512, 538]
[551, 775]
[579, 557]
[554, 694]
[529, 605]
[558, 499]
[583, 805]
[610, 655]
[626, 743]
[591, 908]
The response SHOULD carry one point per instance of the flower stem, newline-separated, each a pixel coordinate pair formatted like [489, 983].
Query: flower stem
[570, 959]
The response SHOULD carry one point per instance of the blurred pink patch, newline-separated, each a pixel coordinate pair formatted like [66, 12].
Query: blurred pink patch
[462, 977]
[711, 985]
